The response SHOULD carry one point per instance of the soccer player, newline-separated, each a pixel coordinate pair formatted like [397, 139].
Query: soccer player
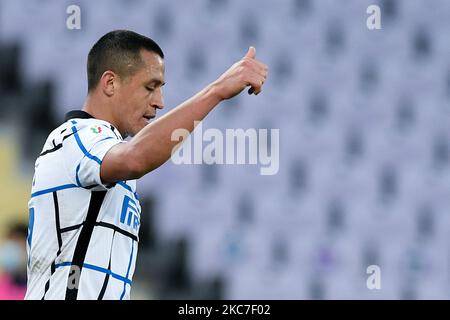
[84, 210]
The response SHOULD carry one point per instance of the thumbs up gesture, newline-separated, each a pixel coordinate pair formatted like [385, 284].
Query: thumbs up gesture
[251, 53]
[246, 72]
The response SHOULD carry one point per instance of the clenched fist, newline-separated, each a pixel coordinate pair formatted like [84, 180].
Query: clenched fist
[246, 72]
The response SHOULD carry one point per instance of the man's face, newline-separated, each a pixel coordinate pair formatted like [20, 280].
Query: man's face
[140, 94]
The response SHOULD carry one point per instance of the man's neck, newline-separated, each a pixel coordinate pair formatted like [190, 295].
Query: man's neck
[99, 110]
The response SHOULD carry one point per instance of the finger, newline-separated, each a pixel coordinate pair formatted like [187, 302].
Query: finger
[256, 82]
[259, 89]
[261, 65]
[251, 53]
[259, 68]
[262, 74]
[258, 73]
[255, 76]
[256, 92]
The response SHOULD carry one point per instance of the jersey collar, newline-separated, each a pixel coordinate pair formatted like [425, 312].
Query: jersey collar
[77, 114]
[80, 114]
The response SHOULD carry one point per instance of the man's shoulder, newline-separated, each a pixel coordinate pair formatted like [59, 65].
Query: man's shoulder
[82, 121]
[93, 128]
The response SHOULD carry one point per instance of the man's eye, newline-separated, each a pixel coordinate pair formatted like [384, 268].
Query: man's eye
[150, 89]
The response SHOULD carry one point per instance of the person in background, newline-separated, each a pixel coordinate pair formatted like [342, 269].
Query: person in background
[13, 263]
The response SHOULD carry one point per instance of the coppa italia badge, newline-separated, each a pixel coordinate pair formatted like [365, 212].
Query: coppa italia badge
[96, 129]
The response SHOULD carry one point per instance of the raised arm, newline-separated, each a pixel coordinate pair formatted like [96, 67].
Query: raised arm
[152, 146]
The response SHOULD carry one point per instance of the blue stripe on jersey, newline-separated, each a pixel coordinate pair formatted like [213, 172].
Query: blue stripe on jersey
[45, 191]
[76, 176]
[30, 226]
[68, 186]
[123, 184]
[128, 271]
[82, 148]
[30, 232]
[105, 138]
[125, 280]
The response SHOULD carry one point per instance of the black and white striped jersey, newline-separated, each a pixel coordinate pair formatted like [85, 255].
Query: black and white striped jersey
[83, 234]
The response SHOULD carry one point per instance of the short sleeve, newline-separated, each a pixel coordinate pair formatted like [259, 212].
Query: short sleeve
[85, 152]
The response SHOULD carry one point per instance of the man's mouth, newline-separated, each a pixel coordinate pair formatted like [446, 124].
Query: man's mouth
[149, 117]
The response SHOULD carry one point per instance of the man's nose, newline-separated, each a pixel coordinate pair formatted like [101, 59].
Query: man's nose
[158, 100]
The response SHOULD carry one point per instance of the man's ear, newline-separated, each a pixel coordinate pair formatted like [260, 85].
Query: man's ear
[107, 82]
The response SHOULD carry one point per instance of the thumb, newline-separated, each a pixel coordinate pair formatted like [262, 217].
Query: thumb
[251, 53]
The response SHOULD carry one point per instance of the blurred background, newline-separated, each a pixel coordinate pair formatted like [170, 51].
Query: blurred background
[364, 119]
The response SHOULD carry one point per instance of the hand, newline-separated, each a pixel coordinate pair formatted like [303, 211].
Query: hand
[246, 72]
